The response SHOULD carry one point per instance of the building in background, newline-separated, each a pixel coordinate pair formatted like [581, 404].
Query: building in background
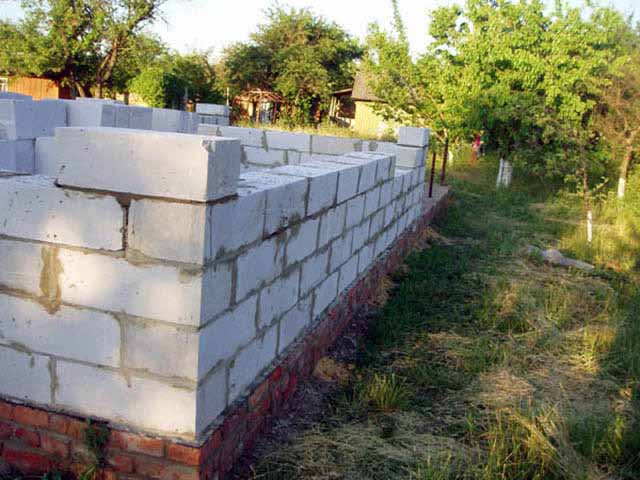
[367, 121]
[38, 88]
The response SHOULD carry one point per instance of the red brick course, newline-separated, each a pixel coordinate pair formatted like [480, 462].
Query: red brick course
[34, 441]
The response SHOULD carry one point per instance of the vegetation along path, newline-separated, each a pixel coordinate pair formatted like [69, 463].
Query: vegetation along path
[485, 362]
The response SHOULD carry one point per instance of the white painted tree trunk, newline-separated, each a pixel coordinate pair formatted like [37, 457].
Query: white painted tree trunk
[505, 174]
[590, 226]
[622, 187]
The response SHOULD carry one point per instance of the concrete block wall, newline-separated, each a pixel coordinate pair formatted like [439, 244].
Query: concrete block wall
[264, 149]
[27, 143]
[212, 114]
[152, 283]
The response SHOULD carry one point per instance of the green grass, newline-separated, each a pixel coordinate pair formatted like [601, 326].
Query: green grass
[485, 363]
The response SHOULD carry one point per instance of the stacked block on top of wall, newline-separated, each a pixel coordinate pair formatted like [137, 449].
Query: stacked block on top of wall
[197, 276]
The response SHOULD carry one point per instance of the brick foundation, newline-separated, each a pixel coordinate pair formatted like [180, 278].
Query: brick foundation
[34, 441]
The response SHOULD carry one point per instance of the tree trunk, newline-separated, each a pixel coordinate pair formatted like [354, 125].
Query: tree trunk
[624, 172]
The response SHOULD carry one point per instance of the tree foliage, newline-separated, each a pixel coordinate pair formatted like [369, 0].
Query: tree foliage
[530, 78]
[77, 42]
[297, 54]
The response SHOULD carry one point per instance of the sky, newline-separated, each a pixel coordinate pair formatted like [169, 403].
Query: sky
[202, 24]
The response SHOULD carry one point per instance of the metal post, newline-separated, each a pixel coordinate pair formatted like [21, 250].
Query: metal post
[433, 173]
[444, 162]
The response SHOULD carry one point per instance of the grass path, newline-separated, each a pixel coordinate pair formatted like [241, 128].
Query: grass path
[487, 364]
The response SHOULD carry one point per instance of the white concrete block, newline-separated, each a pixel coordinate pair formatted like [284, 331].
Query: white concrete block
[332, 224]
[46, 157]
[25, 119]
[260, 264]
[17, 156]
[398, 180]
[355, 211]
[381, 147]
[386, 193]
[386, 168]
[340, 250]
[348, 176]
[293, 323]
[325, 294]
[99, 101]
[348, 274]
[170, 231]
[251, 361]
[365, 257]
[122, 116]
[71, 333]
[323, 184]
[334, 145]
[90, 114]
[260, 156]
[158, 292]
[25, 376]
[377, 223]
[369, 166]
[221, 339]
[165, 120]
[212, 399]
[212, 109]
[286, 198]
[360, 235]
[20, 266]
[372, 201]
[138, 401]
[156, 164]
[278, 297]
[36, 209]
[410, 157]
[413, 136]
[302, 242]
[389, 213]
[188, 123]
[237, 222]
[251, 137]
[314, 271]
[161, 349]
[278, 140]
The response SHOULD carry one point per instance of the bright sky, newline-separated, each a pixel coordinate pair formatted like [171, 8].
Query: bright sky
[202, 24]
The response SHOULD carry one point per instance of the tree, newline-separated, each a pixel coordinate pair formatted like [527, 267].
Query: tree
[297, 54]
[77, 42]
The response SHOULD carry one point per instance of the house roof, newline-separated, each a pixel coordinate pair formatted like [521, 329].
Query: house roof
[361, 89]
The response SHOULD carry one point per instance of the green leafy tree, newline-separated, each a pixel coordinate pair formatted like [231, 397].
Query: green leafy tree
[159, 88]
[77, 42]
[297, 54]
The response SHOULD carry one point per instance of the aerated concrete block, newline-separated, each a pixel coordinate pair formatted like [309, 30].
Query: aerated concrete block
[160, 348]
[372, 201]
[355, 211]
[157, 292]
[25, 376]
[17, 156]
[36, 209]
[90, 114]
[348, 274]
[260, 264]
[21, 266]
[334, 145]
[365, 258]
[300, 142]
[212, 109]
[277, 298]
[348, 176]
[340, 250]
[413, 136]
[325, 294]
[302, 241]
[323, 185]
[249, 137]
[360, 235]
[332, 224]
[165, 120]
[68, 332]
[251, 361]
[154, 164]
[293, 323]
[314, 271]
[25, 119]
[211, 399]
[14, 96]
[169, 408]
[46, 157]
[286, 198]
[259, 156]
[170, 231]
[410, 157]
[223, 337]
